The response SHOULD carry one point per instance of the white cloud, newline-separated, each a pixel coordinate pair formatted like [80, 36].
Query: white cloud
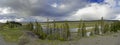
[3, 21]
[19, 19]
[93, 11]
[111, 2]
[117, 17]
[59, 6]
[62, 6]
[54, 5]
[32, 1]
[38, 18]
[6, 10]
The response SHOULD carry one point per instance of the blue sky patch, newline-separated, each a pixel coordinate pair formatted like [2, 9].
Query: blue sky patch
[95, 1]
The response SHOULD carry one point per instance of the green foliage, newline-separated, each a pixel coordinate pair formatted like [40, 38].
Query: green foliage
[39, 31]
[57, 32]
[106, 28]
[79, 32]
[48, 26]
[54, 32]
[11, 35]
[83, 29]
[30, 26]
[102, 24]
[54, 36]
[79, 29]
[63, 32]
[66, 30]
[96, 29]
[54, 26]
[92, 33]
[115, 26]
[50, 37]
[12, 24]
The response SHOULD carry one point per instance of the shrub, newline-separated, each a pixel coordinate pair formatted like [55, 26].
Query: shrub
[115, 26]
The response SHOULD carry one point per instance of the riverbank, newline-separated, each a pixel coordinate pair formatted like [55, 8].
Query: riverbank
[112, 39]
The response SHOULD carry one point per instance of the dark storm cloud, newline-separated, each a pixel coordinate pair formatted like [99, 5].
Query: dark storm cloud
[48, 10]
[43, 7]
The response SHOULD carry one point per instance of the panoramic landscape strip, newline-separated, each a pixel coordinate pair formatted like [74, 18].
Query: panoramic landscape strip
[23, 33]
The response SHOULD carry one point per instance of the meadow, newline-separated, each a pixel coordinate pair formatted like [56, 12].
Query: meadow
[57, 32]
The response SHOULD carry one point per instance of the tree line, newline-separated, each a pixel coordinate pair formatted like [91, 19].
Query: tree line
[53, 31]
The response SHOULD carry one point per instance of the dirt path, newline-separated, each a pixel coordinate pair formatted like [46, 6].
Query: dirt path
[27, 38]
[100, 40]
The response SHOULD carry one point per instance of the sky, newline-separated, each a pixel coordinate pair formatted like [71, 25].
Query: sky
[59, 10]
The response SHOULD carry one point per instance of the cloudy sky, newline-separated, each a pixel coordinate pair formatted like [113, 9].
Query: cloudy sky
[40, 10]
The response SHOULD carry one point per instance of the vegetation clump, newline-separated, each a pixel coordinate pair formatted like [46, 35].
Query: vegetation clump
[12, 24]
[52, 33]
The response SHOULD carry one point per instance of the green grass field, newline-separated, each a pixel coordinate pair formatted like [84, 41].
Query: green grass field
[11, 35]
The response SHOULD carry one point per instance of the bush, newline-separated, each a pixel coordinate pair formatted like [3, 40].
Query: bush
[115, 26]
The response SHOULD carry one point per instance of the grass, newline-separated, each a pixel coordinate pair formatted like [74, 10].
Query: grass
[52, 42]
[11, 35]
[74, 24]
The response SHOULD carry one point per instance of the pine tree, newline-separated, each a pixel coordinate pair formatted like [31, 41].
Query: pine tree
[96, 29]
[29, 26]
[53, 32]
[54, 26]
[92, 33]
[106, 28]
[115, 27]
[66, 31]
[83, 29]
[48, 27]
[61, 32]
[39, 31]
[102, 24]
[79, 28]
[57, 33]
